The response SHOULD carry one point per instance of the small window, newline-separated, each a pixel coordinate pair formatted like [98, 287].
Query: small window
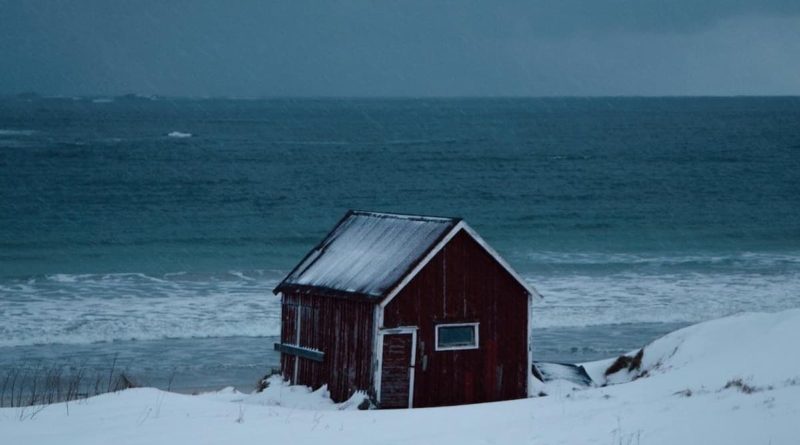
[456, 336]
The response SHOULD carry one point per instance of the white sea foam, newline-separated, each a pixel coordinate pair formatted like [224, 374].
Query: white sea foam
[9, 132]
[179, 134]
[587, 300]
[749, 259]
[87, 308]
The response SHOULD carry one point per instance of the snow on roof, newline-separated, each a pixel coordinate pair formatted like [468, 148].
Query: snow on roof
[368, 252]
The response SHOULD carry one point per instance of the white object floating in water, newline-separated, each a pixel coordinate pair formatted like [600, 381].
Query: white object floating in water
[178, 134]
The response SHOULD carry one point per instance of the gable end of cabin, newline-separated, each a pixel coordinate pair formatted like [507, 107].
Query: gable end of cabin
[471, 317]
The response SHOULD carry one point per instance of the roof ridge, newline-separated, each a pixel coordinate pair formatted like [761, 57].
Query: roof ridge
[410, 216]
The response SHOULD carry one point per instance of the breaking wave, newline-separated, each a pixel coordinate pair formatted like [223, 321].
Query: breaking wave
[748, 260]
[87, 308]
[9, 132]
[590, 300]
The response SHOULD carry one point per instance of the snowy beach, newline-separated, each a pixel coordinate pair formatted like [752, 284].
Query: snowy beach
[546, 223]
[734, 380]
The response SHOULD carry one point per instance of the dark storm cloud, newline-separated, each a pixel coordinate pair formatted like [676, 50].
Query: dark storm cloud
[583, 47]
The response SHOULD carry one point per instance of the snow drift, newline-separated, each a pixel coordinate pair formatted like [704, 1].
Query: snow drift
[734, 381]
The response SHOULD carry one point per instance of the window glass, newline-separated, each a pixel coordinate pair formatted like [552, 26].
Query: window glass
[456, 336]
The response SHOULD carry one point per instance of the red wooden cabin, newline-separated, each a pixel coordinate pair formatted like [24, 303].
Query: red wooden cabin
[417, 311]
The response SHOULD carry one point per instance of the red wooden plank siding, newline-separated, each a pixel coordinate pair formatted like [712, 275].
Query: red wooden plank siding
[340, 328]
[288, 318]
[463, 283]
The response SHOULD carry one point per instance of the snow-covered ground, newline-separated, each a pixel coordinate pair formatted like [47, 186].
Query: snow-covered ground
[730, 381]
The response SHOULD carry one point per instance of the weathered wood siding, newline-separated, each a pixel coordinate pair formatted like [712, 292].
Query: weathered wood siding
[340, 328]
[463, 283]
[395, 372]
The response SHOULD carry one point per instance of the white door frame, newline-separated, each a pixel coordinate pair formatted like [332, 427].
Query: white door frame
[411, 367]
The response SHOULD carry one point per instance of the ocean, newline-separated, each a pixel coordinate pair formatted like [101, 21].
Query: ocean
[149, 232]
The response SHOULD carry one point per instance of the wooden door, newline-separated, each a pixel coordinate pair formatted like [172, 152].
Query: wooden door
[397, 370]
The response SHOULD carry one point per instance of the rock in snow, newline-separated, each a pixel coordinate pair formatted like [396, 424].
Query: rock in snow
[734, 380]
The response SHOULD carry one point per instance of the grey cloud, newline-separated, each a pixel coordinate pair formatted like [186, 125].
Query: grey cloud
[251, 48]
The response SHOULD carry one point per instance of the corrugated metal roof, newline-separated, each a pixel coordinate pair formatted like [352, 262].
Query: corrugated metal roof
[368, 252]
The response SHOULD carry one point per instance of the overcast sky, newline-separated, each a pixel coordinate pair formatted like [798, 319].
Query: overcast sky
[400, 48]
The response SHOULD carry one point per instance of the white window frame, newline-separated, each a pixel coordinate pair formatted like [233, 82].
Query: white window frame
[475, 326]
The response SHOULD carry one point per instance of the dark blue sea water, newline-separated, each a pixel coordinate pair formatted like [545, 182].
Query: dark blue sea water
[632, 216]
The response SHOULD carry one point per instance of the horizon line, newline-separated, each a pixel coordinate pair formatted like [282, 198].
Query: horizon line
[142, 96]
